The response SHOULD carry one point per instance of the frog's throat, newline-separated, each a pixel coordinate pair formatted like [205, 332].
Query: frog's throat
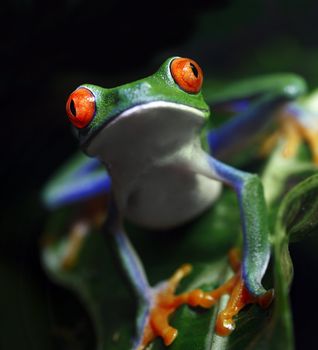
[147, 123]
[156, 105]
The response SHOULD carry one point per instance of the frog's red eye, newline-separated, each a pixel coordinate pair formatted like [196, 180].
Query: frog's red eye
[187, 74]
[80, 107]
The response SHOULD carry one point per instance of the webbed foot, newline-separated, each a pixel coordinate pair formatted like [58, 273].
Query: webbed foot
[86, 217]
[165, 302]
[239, 298]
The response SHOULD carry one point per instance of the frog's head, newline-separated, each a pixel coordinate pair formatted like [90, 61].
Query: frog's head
[160, 110]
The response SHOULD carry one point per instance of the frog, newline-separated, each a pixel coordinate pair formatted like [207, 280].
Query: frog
[152, 138]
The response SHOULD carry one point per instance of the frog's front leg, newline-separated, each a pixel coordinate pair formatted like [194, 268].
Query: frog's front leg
[131, 266]
[158, 303]
[254, 221]
[245, 286]
[155, 304]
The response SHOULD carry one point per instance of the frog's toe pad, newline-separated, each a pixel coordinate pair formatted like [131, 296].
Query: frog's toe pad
[293, 132]
[165, 302]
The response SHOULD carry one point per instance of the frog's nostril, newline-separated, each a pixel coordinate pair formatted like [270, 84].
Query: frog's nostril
[72, 107]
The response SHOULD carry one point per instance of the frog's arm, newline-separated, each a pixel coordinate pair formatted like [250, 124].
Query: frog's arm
[130, 264]
[256, 101]
[125, 252]
[81, 178]
[256, 247]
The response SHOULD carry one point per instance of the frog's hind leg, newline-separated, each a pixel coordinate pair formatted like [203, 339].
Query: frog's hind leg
[156, 304]
[80, 179]
[295, 132]
[296, 125]
[255, 103]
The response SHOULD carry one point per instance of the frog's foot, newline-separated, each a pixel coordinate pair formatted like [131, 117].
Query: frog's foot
[239, 298]
[165, 302]
[293, 132]
[72, 244]
[76, 239]
[90, 217]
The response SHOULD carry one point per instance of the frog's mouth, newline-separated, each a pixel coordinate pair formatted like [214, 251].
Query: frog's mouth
[153, 107]
[159, 126]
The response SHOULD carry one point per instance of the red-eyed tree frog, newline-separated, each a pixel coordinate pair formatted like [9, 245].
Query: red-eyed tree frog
[152, 138]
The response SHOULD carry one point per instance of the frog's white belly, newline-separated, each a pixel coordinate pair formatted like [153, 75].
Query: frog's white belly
[154, 156]
[166, 197]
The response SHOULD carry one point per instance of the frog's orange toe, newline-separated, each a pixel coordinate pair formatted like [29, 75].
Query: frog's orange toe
[293, 133]
[165, 302]
[239, 298]
[199, 298]
[169, 335]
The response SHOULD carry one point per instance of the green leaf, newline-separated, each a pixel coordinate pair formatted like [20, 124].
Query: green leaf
[296, 218]
[204, 243]
[298, 213]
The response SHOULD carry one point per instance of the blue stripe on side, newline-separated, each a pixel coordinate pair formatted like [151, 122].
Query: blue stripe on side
[94, 184]
[87, 167]
[243, 126]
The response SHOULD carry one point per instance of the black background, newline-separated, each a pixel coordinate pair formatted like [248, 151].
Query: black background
[50, 47]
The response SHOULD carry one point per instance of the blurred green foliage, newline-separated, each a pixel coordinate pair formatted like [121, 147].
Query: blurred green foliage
[48, 48]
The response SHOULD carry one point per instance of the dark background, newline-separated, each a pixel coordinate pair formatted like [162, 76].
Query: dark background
[47, 49]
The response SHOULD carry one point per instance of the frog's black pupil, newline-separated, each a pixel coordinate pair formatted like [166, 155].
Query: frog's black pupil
[72, 107]
[194, 70]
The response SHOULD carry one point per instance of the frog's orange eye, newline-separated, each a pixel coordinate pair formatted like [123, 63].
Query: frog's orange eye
[80, 107]
[187, 74]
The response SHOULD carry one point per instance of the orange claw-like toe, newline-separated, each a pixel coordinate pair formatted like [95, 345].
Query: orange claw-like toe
[293, 133]
[165, 302]
[239, 298]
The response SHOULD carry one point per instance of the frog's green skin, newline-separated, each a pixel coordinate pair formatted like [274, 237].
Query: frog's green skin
[148, 135]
